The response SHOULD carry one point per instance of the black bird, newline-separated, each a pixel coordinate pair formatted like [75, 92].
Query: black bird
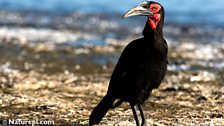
[141, 67]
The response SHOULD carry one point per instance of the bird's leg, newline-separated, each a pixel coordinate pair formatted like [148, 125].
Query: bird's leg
[142, 114]
[135, 115]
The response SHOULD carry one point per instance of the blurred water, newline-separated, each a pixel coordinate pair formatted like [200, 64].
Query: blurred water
[193, 26]
[188, 11]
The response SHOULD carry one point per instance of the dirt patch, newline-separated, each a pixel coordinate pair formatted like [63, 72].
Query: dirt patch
[68, 99]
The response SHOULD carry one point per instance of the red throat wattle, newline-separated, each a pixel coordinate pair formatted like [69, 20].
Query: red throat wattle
[154, 20]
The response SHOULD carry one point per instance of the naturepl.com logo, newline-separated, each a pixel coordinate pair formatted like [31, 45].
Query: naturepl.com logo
[26, 122]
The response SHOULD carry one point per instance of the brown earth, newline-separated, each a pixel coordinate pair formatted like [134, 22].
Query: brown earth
[68, 99]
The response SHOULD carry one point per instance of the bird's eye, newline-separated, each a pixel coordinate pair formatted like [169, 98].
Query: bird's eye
[154, 8]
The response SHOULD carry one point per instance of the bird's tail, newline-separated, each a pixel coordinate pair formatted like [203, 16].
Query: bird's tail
[101, 109]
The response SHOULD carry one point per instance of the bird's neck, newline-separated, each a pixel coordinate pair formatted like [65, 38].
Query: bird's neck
[151, 34]
[155, 39]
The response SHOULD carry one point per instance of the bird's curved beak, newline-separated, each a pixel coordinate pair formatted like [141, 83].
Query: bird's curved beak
[138, 11]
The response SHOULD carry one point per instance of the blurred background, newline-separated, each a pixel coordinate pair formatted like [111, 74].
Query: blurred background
[57, 54]
[71, 29]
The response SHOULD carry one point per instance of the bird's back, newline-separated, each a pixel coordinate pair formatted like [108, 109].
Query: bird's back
[141, 68]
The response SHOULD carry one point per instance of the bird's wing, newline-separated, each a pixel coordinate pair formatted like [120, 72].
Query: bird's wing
[126, 65]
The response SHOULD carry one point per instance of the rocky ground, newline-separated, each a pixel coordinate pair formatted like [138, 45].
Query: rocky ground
[183, 99]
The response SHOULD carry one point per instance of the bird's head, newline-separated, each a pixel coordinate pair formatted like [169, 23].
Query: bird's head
[153, 10]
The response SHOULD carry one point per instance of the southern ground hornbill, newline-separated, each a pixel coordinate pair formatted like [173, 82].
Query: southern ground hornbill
[140, 68]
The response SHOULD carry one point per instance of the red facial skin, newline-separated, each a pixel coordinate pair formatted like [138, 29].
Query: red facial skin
[154, 20]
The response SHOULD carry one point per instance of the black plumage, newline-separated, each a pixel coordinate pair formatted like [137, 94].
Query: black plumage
[140, 68]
